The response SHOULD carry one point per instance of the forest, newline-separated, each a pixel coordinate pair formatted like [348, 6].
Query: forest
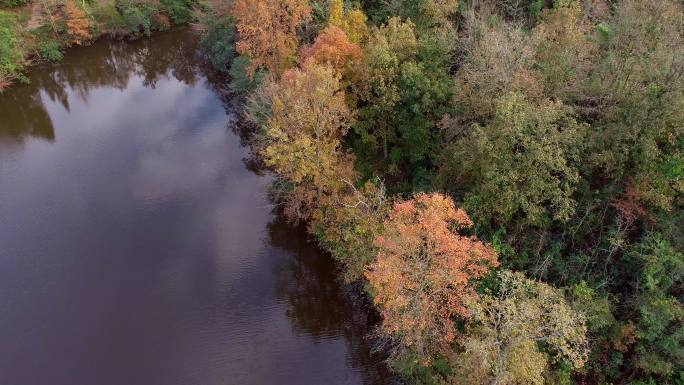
[502, 179]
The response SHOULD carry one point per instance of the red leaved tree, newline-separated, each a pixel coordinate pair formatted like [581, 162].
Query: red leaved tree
[332, 48]
[423, 276]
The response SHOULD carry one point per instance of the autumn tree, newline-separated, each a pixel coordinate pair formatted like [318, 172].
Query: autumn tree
[267, 31]
[424, 274]
[331, 48]
[78, 24]
[520, 331]
[305, 116]
[352, 22]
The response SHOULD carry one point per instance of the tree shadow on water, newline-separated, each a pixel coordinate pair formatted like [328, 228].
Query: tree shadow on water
[320, 305]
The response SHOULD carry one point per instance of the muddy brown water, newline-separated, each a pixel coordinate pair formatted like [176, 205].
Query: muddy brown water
[137, 244]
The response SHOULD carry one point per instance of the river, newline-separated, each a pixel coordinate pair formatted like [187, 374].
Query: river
[137, 243]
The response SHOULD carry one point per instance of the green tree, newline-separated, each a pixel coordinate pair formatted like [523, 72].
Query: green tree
[659, 307]
[218, 41]
[523, 166]
[348, 228]
[375, 80]
[402, 88]
[11, 51]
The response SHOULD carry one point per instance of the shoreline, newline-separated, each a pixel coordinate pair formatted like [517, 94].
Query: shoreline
[36, 33]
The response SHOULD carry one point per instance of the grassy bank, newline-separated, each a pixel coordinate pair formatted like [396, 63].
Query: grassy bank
[41, 30]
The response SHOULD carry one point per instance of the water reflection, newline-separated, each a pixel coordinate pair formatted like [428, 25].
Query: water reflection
[22, 113]
[137, 244]
[111, 65]
[318, 304]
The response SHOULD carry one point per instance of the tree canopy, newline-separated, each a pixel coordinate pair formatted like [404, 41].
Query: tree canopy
[504, 179]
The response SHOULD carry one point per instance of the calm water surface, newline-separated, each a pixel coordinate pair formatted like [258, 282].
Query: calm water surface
[137, 245]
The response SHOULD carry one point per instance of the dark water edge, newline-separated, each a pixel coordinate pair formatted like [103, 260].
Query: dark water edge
[138, 244]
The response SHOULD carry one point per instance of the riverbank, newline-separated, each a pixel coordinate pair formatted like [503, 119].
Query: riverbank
[41, 30]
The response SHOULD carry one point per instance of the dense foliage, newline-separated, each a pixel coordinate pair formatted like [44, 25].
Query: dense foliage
[504, 178]
[521, 329]
[12, 3]
[556, 125]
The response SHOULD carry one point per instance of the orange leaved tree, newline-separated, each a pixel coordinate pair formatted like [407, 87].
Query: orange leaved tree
[78, 24]
[267, 31]
[332, 48]
[423, 276]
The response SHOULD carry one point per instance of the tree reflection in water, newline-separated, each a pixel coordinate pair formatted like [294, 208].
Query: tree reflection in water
[108, 63]
[319, 305]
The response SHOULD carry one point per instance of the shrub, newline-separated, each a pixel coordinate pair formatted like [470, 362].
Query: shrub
[11, 51]
[137, 16]
[180, 11]
[50, 50]
[108, 17]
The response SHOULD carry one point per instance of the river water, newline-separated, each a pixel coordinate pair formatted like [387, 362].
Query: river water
[137, 244]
